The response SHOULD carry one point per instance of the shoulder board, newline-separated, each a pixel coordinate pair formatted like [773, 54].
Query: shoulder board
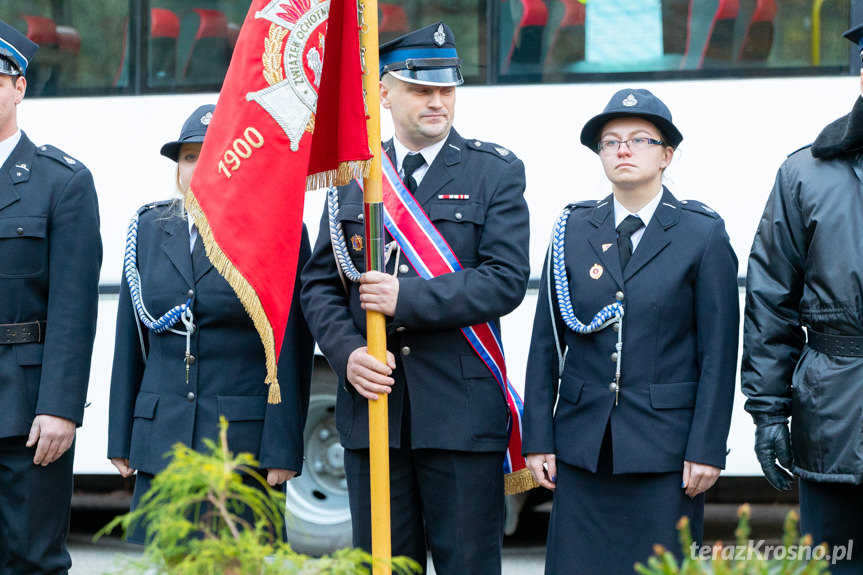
[584, 204]
[60, 156]
[152, 205]
[492, 149]
[698, 208]
[799, 149]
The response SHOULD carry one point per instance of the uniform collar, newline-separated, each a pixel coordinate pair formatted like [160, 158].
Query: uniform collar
[644, 214]
[7, 145]
[429, 153]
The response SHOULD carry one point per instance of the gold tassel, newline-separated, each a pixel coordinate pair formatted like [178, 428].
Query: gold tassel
[519, 481]
[340, 176]
[244, 291]
[275, 396]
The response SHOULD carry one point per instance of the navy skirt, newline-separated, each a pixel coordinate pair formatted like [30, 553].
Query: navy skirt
[602, 524]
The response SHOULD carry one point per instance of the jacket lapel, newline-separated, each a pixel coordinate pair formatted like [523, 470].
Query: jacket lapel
[176, 246]
[604, 234]
[17, 166]
[201, 264]
[655, 239]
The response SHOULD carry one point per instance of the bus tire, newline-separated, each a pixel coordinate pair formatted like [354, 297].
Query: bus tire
[317, 513]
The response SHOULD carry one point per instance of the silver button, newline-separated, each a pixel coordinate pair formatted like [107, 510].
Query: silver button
[619, 296]
[401, 328]
[191, 360]
[477, 143]
[458, 215]
[614, 356]
[360, 217]
[190, 396]
[616, 327]
[190, 293]
[406, 350]
[20, 231]
[403, 269]
[612, 386]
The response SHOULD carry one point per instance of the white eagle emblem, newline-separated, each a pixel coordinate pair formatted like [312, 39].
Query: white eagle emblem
[293, 64]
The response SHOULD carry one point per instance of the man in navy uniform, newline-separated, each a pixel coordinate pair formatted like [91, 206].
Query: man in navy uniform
[447, 414]
[806, 271]
[50, 255]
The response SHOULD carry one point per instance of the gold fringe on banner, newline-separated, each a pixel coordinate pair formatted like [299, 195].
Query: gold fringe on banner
[519, 481]
[340, 176]
[243, 290]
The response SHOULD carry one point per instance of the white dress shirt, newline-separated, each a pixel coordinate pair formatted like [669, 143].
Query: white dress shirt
[429, 154]
[644, 214]
[7, 145]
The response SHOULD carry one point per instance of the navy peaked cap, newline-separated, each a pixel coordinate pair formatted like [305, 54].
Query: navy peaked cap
[425, 56]
[16, 50]
[855, 35]
[638, 103]
[193, 132]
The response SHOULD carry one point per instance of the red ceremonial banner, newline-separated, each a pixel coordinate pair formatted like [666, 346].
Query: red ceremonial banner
[290, 117]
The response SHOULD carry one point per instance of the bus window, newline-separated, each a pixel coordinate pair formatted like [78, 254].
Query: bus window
[80, 43]
[571, 40]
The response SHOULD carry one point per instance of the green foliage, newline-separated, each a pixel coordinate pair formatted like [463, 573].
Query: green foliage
[798, 556]
[192, 516]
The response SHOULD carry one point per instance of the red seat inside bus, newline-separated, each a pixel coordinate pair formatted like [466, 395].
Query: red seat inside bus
[209, 50]
[164, 31]
[566, 20]
[529, 18]
[758, 38]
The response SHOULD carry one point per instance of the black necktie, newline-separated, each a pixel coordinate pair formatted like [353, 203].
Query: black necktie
[627, 227]
[411, 164]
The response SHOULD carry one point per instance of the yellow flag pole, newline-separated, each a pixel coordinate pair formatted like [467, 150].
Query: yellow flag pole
[379, 454]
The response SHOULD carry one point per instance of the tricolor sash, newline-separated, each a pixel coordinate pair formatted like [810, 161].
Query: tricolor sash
[430, 255]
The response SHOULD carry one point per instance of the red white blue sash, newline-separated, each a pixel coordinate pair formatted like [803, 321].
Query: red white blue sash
[431, 256]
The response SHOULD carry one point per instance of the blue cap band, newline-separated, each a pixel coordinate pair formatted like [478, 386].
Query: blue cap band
[8, 50]
[415, 53]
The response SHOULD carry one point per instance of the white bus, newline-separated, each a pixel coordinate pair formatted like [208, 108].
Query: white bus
[748, 81]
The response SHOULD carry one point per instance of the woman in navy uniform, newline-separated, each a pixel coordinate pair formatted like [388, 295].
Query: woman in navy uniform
[172, 386]
[643, 392]
[50, 255]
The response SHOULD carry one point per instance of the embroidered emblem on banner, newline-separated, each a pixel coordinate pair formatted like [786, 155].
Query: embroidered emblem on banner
[293, 61]
[596, 272]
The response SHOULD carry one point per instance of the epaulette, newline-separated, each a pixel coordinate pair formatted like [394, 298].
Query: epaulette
[799, 150]
[698, 208]
[584, 204]
[492, 149]
[159, 204]
[61, 157]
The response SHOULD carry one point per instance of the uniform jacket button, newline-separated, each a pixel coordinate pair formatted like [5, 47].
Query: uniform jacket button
[190, 396]
[191, 360]
[619, 296]
[360, 217]
[458, 215]
[403, 269]
[406, 350]
[616, 327]
[190, 293]
[614, 356]
[401, 328]
[20, 231]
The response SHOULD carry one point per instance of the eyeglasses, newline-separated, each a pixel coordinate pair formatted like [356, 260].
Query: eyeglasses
[634, 144]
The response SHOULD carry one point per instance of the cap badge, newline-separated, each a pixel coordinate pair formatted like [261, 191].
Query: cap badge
[596, 272]
[629, 101]
[205, 119]
[605, 247]
[357, 242]
[439, 36]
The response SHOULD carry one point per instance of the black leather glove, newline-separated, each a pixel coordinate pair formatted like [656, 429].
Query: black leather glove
[772, 443]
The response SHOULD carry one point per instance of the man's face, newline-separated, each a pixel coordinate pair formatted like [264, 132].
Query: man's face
[12, 90]
[422, 115]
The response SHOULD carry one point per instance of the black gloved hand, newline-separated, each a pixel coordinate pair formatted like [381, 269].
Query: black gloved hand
[772, 443]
